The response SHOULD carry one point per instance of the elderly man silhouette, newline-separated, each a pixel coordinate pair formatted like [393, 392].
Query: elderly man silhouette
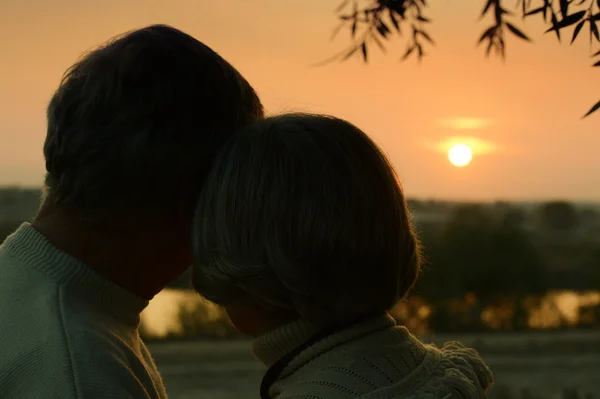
[132, 131]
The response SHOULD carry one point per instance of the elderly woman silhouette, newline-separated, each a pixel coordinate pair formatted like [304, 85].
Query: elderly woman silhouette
[303, 235]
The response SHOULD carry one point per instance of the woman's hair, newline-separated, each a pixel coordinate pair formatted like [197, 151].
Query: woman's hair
[304, 213]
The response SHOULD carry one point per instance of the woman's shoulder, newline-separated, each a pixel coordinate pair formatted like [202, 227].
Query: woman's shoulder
[367, 364]
[453, 371]
[390, 364]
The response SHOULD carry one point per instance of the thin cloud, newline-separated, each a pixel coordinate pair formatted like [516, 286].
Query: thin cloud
[464, 123]
[478, 146]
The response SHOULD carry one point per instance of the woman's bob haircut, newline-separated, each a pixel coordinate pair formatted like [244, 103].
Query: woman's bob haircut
[304, 213]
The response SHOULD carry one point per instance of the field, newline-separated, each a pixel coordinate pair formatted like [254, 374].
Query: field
[545, 364]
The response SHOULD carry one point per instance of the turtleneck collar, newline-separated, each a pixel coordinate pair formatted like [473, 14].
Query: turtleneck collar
[274, 345]
[29, 246]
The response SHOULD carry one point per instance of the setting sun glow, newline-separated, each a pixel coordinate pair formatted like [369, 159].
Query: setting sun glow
[460, 155]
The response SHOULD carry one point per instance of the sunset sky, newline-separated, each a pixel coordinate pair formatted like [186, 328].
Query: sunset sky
[521, 118]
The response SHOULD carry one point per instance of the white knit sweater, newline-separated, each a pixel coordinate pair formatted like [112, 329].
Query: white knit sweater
[65, 331]
[372, 360]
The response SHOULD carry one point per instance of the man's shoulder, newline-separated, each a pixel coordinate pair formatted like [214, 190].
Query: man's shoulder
[30, 320]
[95, 340]
[34, 351]
[108, 356]
[56, 346]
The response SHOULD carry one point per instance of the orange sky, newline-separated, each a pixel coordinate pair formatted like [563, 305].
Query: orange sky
[536, 145]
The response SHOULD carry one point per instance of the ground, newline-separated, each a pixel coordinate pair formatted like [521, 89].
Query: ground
[545, 364]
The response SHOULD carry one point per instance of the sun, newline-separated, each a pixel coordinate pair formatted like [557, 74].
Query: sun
[460, 155]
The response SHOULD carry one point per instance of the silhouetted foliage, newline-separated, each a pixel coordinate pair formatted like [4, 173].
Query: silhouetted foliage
[198, 322]
[590, 216]
[477, 252]
[589, 316]
[375, 21]
[480, 259]
[559, 216]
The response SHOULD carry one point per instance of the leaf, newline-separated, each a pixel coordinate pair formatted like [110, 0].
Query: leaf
[595, 108]
[426, 36]
[363, 48]
[353, 30]
[596, 54]
[535, 11]
[594, 30]
[577, 30]
[489, 48]
[394, 21]
[517, 32]
[423, 19]
[596, 64]
[383, 29]
[336, 31]
[408, 52]
[420, 52]
[564, 7]
[487, 6]
[379, 44]
[487, 33]
[342, 6]
[555, 23]
[566, 21]
[368, 11]
[349, 53]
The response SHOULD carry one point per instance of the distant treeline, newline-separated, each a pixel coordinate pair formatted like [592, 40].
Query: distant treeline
[502, 259]
[487, 267]
[503, 249]
[481, 259]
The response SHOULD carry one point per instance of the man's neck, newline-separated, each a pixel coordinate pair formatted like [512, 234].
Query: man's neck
[138, 260]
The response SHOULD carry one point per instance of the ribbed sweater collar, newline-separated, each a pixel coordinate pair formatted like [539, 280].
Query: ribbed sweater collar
[274, 345]
[31, 248]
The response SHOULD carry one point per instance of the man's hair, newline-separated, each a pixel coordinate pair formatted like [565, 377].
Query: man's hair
[304, 213]
[136, 123]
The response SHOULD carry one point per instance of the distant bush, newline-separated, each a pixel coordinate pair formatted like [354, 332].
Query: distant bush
[202, 321]
[589, 316]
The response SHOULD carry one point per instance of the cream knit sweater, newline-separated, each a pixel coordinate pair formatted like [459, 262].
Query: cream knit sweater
[372, 360]
[65, 331]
